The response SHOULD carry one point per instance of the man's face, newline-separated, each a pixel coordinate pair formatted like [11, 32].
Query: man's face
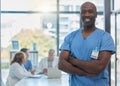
[51, 56]
[27, 54]
[23, 60]
[88, 14]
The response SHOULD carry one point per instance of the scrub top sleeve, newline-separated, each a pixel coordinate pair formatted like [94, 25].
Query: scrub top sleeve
[30, 64]
[67, 43]
[107, 43]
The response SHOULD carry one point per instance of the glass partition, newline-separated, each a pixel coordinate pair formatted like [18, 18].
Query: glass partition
[67, 24]
[29, 5]
[118, 50]
[74, 5]
[27, 30]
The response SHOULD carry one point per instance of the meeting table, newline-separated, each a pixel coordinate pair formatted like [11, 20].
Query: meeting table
[42, 80]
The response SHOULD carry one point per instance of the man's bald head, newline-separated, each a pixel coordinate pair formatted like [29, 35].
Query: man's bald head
[89, 4]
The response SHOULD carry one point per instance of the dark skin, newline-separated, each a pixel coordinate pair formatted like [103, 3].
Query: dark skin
[94, 66]
[66, 66]
[90, 68]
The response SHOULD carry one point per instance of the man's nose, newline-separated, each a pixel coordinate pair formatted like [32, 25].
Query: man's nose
[87, 14]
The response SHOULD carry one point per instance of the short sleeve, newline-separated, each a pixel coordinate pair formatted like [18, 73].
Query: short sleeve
[67, 42]
[30, 64]
[107, 43]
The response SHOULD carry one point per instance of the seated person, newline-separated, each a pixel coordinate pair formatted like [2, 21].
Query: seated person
[28, 64]
[17, 70]
[50, 61]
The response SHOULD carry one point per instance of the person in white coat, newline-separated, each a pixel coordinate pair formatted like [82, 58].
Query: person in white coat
[17, 70]
[47, 62]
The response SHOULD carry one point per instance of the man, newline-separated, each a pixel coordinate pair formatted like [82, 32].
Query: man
[47, 62]
[86, 52]
[28, 64]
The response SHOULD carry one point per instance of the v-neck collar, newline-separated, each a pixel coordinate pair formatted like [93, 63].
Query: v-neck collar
[88, 35]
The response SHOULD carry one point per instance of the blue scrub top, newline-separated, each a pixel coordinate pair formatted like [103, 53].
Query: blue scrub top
[82, 49]
[28, 65]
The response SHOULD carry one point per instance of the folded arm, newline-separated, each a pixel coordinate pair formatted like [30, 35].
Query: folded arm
[66, 66]
[93, 66]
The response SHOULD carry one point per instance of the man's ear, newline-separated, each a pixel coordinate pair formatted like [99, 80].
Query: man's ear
[96, 14]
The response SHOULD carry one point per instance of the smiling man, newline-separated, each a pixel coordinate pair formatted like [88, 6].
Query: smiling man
[86, 52]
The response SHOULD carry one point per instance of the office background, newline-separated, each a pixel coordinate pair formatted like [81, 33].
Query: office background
[42, 24]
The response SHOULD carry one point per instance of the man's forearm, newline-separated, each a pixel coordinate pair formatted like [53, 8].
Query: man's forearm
[86, 66]
[93, 66]
[69, 68]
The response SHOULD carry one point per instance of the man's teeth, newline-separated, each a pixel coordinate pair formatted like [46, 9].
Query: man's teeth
[87, 19]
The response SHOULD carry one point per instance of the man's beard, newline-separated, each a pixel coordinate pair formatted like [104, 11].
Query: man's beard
[89, 25]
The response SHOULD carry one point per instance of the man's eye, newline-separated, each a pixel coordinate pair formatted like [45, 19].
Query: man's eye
[83, 12]
[90, 11]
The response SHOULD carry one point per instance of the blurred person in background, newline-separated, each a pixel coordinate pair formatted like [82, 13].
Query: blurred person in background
[47, 62]
[28, 64]
[17, 70]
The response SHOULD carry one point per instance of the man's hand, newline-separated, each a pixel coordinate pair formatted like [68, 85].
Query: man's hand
[45, 70]
[32, 71]
[68, 67]
[93, 66]
[71, 60]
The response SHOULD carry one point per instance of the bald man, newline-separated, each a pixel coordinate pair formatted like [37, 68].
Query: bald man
[86, 52]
